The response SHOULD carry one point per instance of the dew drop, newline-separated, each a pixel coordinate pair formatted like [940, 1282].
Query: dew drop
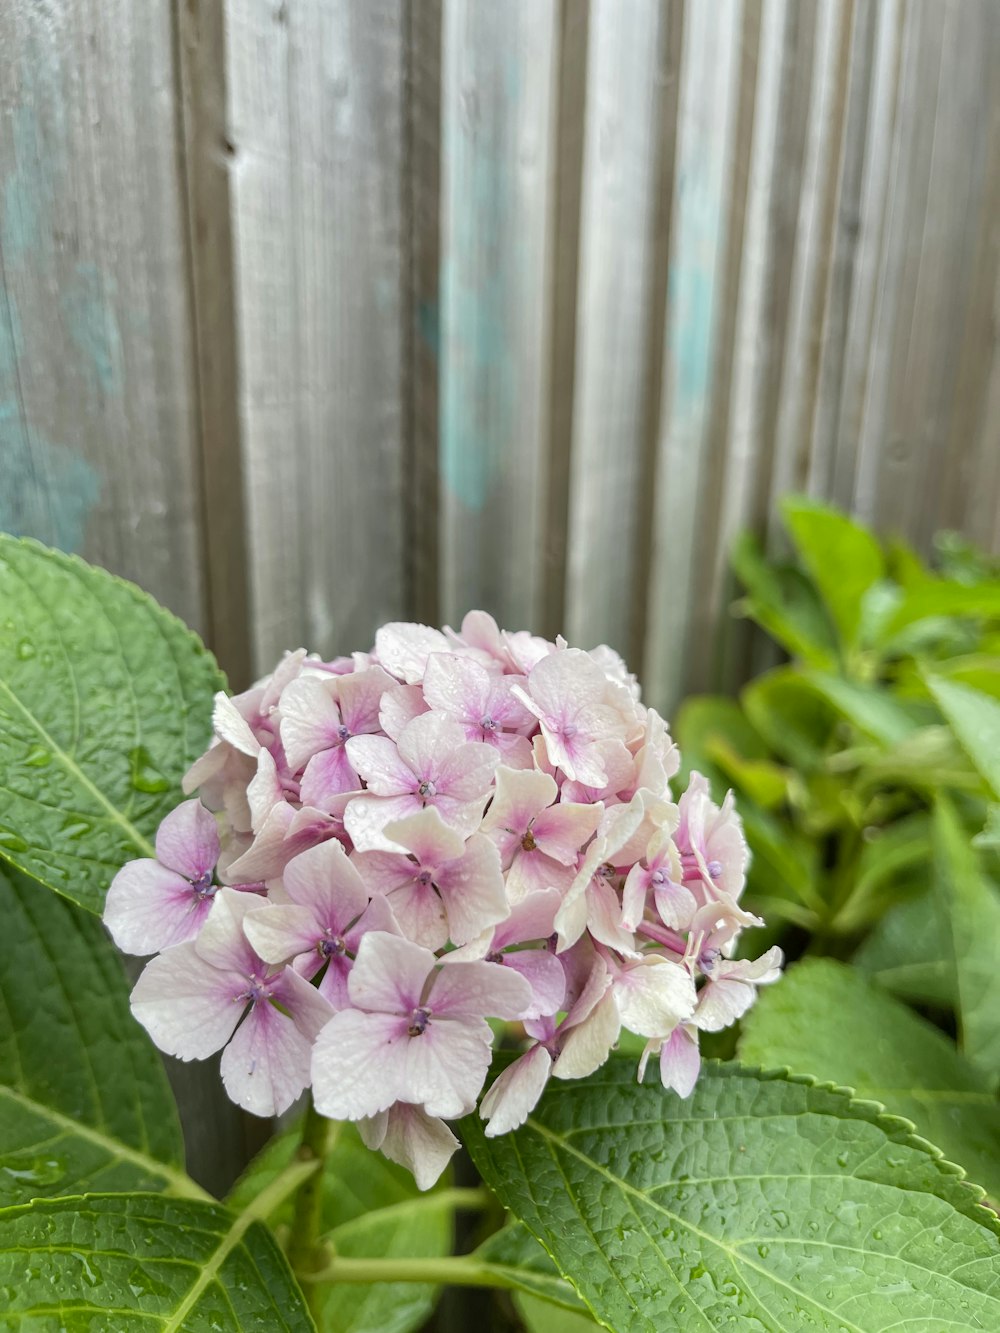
[25, 649]
[38, 757]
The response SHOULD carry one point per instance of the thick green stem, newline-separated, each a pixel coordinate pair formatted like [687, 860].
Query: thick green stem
[462, 1270]
[306, 1253]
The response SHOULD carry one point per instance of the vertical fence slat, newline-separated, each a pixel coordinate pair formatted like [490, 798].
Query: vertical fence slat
[614, 294]
[97, 400]
[708, 101]
[498, 114]
[317, 132]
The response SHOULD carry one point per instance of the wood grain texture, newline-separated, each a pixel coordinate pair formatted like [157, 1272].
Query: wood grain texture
[98, 407]
[706, 137]
[316, 127]
[615, 304]
[498, 119]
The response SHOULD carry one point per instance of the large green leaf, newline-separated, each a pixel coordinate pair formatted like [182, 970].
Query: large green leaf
[908, 952]
[105, 698]
[843, 559]
[514, 1254]
[972, 908]
[871, 709]
[975, 719]
[539, 1316]
[371, 1208]
[140, 1263]
[84, 1102]
[761, 1203]
[827, 1020]
[940, 597]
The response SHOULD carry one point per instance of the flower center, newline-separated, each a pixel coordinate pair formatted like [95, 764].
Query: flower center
[327, 947]
[488, 723]
[343, 732]
[425, 878]
[427, 788]
[203, 886]
[494, 956]
[714, 868]
[606, 871]
[657, 878]
[528, 843]
[419, 1019]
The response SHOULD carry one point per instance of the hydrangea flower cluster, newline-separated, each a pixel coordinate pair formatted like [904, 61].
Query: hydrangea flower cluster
[391, 849]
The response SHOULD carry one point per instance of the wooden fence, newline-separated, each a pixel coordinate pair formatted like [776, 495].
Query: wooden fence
[318, 313]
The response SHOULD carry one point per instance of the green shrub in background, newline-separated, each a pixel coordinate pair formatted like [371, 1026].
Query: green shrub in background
[867, 771]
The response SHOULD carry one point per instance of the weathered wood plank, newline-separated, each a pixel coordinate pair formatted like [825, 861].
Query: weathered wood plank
[498, 117]
[98, 403]
[316, 126]
[706, 134]
[616, 304]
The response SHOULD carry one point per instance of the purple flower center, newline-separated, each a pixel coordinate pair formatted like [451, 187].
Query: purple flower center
[419, 1019]
[203, 886]
[708, 959]
[658, 878]
[714, 868]
[256, 990]
[328, 946]
[427, 788]
[425, 878]
[488, 724]
[343, 732]
[494, 956]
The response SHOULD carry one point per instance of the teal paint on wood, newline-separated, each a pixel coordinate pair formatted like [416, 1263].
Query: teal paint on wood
[89, 310]
[24, 189]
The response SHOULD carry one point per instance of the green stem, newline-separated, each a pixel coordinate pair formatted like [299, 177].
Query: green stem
[462, 1270]
[306, 1253]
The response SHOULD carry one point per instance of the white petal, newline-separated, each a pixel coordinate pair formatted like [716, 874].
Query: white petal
[475, 990]
[420, 1142]
[654, 996]
[403, 648]
[587, 1046]
[187, 1006]
[149, 908]
[357, 1062]
[266, 1065]
[278, 932]
[230, 725]
[447, 1065]
[515, 1094]
[389, 974]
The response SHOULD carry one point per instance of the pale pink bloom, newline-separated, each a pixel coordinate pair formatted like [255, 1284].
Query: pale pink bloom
[657, 760]
[403, 648]
[715, 929]
[680, 1060]
[581, 1042]
[538, 840]
[191, 998]
[654, 995]
[417, 1033]
[154, 904]
[431, 764]
[319, 715]
[592, 901]
[658, 883]
[409, 1136]
[514, 653]
[445, 887]
[516, 1092]
[567, 692]
[710, 840]
[588, 1043]
[530, 922]
[400, 705]
[620, 770]
[328, 911]
[483, 703]
[732, 988]
[285, 833]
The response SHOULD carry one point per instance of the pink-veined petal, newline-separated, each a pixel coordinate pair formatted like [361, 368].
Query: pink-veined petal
[399, 706]
[357, 1063]
[515, 1094]
[279, 931]
[457, 685]
[654, 996]
[360, 698]
[323, 879]
[422, 1143]
[188, 840]
[680, 1060]
[473, 990]
[472, 888]
[328, 775]
[149, 908]
[230, 725]
[266, 1065]
[427, 836]
[389, 974]
[221, 942]
[188, 1007]
[587, 1046]
[366, 817]
[310, 719]
[402, 648]
[562, 830]
[381, 764]
[521, 794]
[544, 974]
[446, 1066]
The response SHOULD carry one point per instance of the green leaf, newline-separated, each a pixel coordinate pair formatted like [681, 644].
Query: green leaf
[764, 1202]
[975, 719]
[907, 952]
[140, 1263]
[84, 1101]
[843, 559]
[827, 1020]
[889, 862]
[784, 603]
[792, 718]
[513, 1252]
[869, 708]
[105, 699]
[938, 597]
[539, 1316]
[972, 907]
[371, 1207]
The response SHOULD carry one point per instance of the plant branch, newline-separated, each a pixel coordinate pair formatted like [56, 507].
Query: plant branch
[306, 1253]
[462, 1270]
